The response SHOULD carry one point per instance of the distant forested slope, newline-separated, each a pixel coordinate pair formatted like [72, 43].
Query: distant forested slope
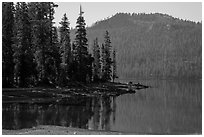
[152, 45]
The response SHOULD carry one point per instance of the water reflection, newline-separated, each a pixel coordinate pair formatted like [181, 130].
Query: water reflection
[94, 110]
[173, 107]
[170, 107]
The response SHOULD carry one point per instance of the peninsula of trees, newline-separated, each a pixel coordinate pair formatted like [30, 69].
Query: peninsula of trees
[33, 54]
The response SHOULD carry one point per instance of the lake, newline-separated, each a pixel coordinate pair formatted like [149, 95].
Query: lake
[168, 107]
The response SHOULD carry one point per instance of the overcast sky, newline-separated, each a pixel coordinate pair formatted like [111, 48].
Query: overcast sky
[94, 11]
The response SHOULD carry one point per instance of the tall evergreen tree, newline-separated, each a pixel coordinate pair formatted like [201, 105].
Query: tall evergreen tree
[7, 51]
[41, 14]
[74, 64]
[39, 34]
[53, 60]
[81, 49]
[23, 57]
[103, 61]
[96, 62]
[53, 57]
[107, 72]
[114, 75]
[65, 50]
[50, 17]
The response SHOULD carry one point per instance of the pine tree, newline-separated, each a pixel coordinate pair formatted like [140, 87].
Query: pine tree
[53, 60]
[96, 62]
[50, 15]
[114, 75]
[107, 72]
[103, 62]
[89, 72]
[23, 57]
[39, 37]
[65, 50]
[53, 56]
[44, 47]
[7, 51]
[81, 49]
[74, 64]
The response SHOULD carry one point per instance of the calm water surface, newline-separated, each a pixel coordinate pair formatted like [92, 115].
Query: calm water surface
[169, 107]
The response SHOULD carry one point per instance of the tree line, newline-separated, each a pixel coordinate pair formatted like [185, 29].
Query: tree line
[33, 54]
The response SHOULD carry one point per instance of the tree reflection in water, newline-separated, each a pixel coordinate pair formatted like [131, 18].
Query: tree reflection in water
[173, 107]
[87, 112]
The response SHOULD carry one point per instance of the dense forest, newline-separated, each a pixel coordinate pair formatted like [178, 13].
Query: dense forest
[152, 45]
[36, 53]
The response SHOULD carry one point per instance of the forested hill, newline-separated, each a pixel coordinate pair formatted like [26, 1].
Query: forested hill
[152, 45]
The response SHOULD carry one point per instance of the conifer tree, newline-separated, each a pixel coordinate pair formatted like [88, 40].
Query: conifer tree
[103, 62]
[81, 49]
[7, 51]
[23, 57]
[53, 60]
[39, 37]
[50, 15]
[45, 50]
[53, 57]
[74, 64]
[107, 62]
[65, 49]
[96, 62]
[114, 75]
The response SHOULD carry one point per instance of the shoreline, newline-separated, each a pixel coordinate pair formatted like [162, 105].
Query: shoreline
[74, 95]
[58, 130]
[57, 95]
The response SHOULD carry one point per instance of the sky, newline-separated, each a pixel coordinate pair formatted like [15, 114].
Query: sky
[95, 11]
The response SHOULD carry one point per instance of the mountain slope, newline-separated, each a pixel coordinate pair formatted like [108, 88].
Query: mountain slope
[152, 45]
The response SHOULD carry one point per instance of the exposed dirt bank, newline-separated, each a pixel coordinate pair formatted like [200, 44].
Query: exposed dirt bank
[56, 130]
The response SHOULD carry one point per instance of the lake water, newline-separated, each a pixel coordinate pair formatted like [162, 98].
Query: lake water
[169, 107]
